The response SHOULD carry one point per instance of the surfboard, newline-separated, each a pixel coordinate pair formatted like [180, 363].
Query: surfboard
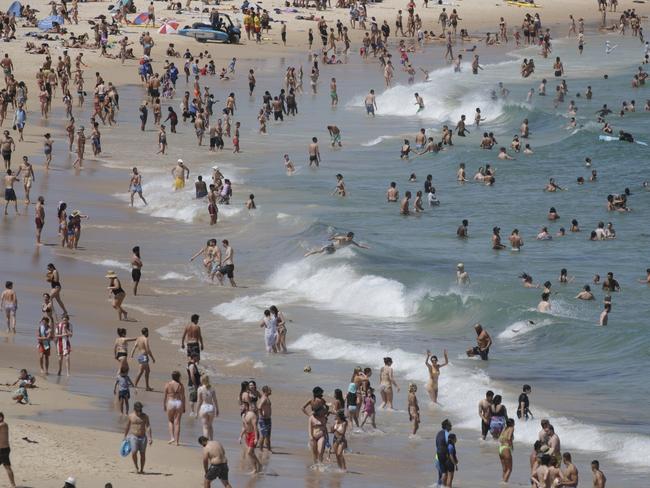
[523, 4]
[610, 139]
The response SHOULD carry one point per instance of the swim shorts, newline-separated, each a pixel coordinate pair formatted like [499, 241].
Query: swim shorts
[193, 348]
[10, 195]
[217, 471]
[4, 456]
[265, 427]
[228, 270]
[138, 444]
[250, 439]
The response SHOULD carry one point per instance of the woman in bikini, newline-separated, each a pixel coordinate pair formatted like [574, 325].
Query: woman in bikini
[340, 443]
[281, 343]
[174, 406]
[505, 448]
[136, 269]
[207, 405]
[47, 309]
[121, 348]
[211, 257]
[434, 374]
[318, 433]
[52, 277]
[117, 294]
[386, 383]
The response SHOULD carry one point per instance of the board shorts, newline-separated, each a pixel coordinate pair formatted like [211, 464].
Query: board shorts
[4, 456]
[250, 439]
[136, 274]
[217, 471]
[138, 444]
[228, 270]
[193, 348]
[10, 195]
[265, 427]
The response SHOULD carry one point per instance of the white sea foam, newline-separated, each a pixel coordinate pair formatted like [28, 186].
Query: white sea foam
[111, 264]
[377, 140]
[447, 95]
[462, 388]
[175, 276]
[339, 287]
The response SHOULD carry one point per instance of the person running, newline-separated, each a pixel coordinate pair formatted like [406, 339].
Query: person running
[144, 356]
[117, 294]
[138, 433]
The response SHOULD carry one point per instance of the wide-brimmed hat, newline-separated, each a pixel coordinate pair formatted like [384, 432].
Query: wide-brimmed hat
[111, 274]
[75, 213]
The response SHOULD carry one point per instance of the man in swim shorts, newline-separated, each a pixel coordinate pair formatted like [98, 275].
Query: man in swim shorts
[215, 464]
[483, 341]
[192, 334]
[371, 103]
[180, 173]
[138, 432]
[250, 434]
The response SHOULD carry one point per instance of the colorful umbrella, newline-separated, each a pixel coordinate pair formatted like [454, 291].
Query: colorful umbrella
[169, 27]
[141, 18]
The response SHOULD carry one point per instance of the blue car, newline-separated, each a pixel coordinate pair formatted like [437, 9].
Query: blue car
[223, 30]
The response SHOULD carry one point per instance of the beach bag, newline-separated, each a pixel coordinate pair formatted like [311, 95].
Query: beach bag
[125, 448]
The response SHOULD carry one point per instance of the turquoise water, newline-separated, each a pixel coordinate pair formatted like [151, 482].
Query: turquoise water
[399, 297]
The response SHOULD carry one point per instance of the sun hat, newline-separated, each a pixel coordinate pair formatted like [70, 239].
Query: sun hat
[111, 274]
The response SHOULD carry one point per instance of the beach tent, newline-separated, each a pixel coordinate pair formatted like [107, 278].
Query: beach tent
[169, 27]
[14, 8]
[141, 18]
[48, 22]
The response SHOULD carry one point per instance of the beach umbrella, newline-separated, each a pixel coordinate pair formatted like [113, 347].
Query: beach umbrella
[141, 18]
[169, 27]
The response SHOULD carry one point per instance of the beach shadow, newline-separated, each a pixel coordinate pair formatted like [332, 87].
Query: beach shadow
[151, 473]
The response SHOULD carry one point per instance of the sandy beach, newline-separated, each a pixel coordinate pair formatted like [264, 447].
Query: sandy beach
[73, 427]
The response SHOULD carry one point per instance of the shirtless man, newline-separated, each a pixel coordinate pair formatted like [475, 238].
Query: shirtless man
[29, 178]
[484, 411]
[180, 173]
[404, 205]
[39, 218]
[10, 193]
[9, 304]
[314, 153]
[215, 464]
[250, 434]
[7, 146]
[264, 423]
[483, 343]
[392, 194]
[515, 240]
[192, 334]
[570, 473]
[371, 103]
[598, 476]
[462, 232]
[228, 266]
[5, 450]
[138, 431]
[144, 356]
[496, 239]
[346, 240]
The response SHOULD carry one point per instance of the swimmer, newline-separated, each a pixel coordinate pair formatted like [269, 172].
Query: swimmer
[288, 165]
[585, 293]
[544, 305]
[462, 276]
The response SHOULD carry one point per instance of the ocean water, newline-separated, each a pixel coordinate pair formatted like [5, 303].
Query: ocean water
[399, 297]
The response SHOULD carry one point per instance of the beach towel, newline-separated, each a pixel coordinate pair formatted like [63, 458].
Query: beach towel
[48, 22]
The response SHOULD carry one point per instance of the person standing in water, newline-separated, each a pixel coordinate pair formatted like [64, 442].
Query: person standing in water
[432, 365]
[136, 269]
[9, 303]
[483, 341]
[386, 383]
[135, 186]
